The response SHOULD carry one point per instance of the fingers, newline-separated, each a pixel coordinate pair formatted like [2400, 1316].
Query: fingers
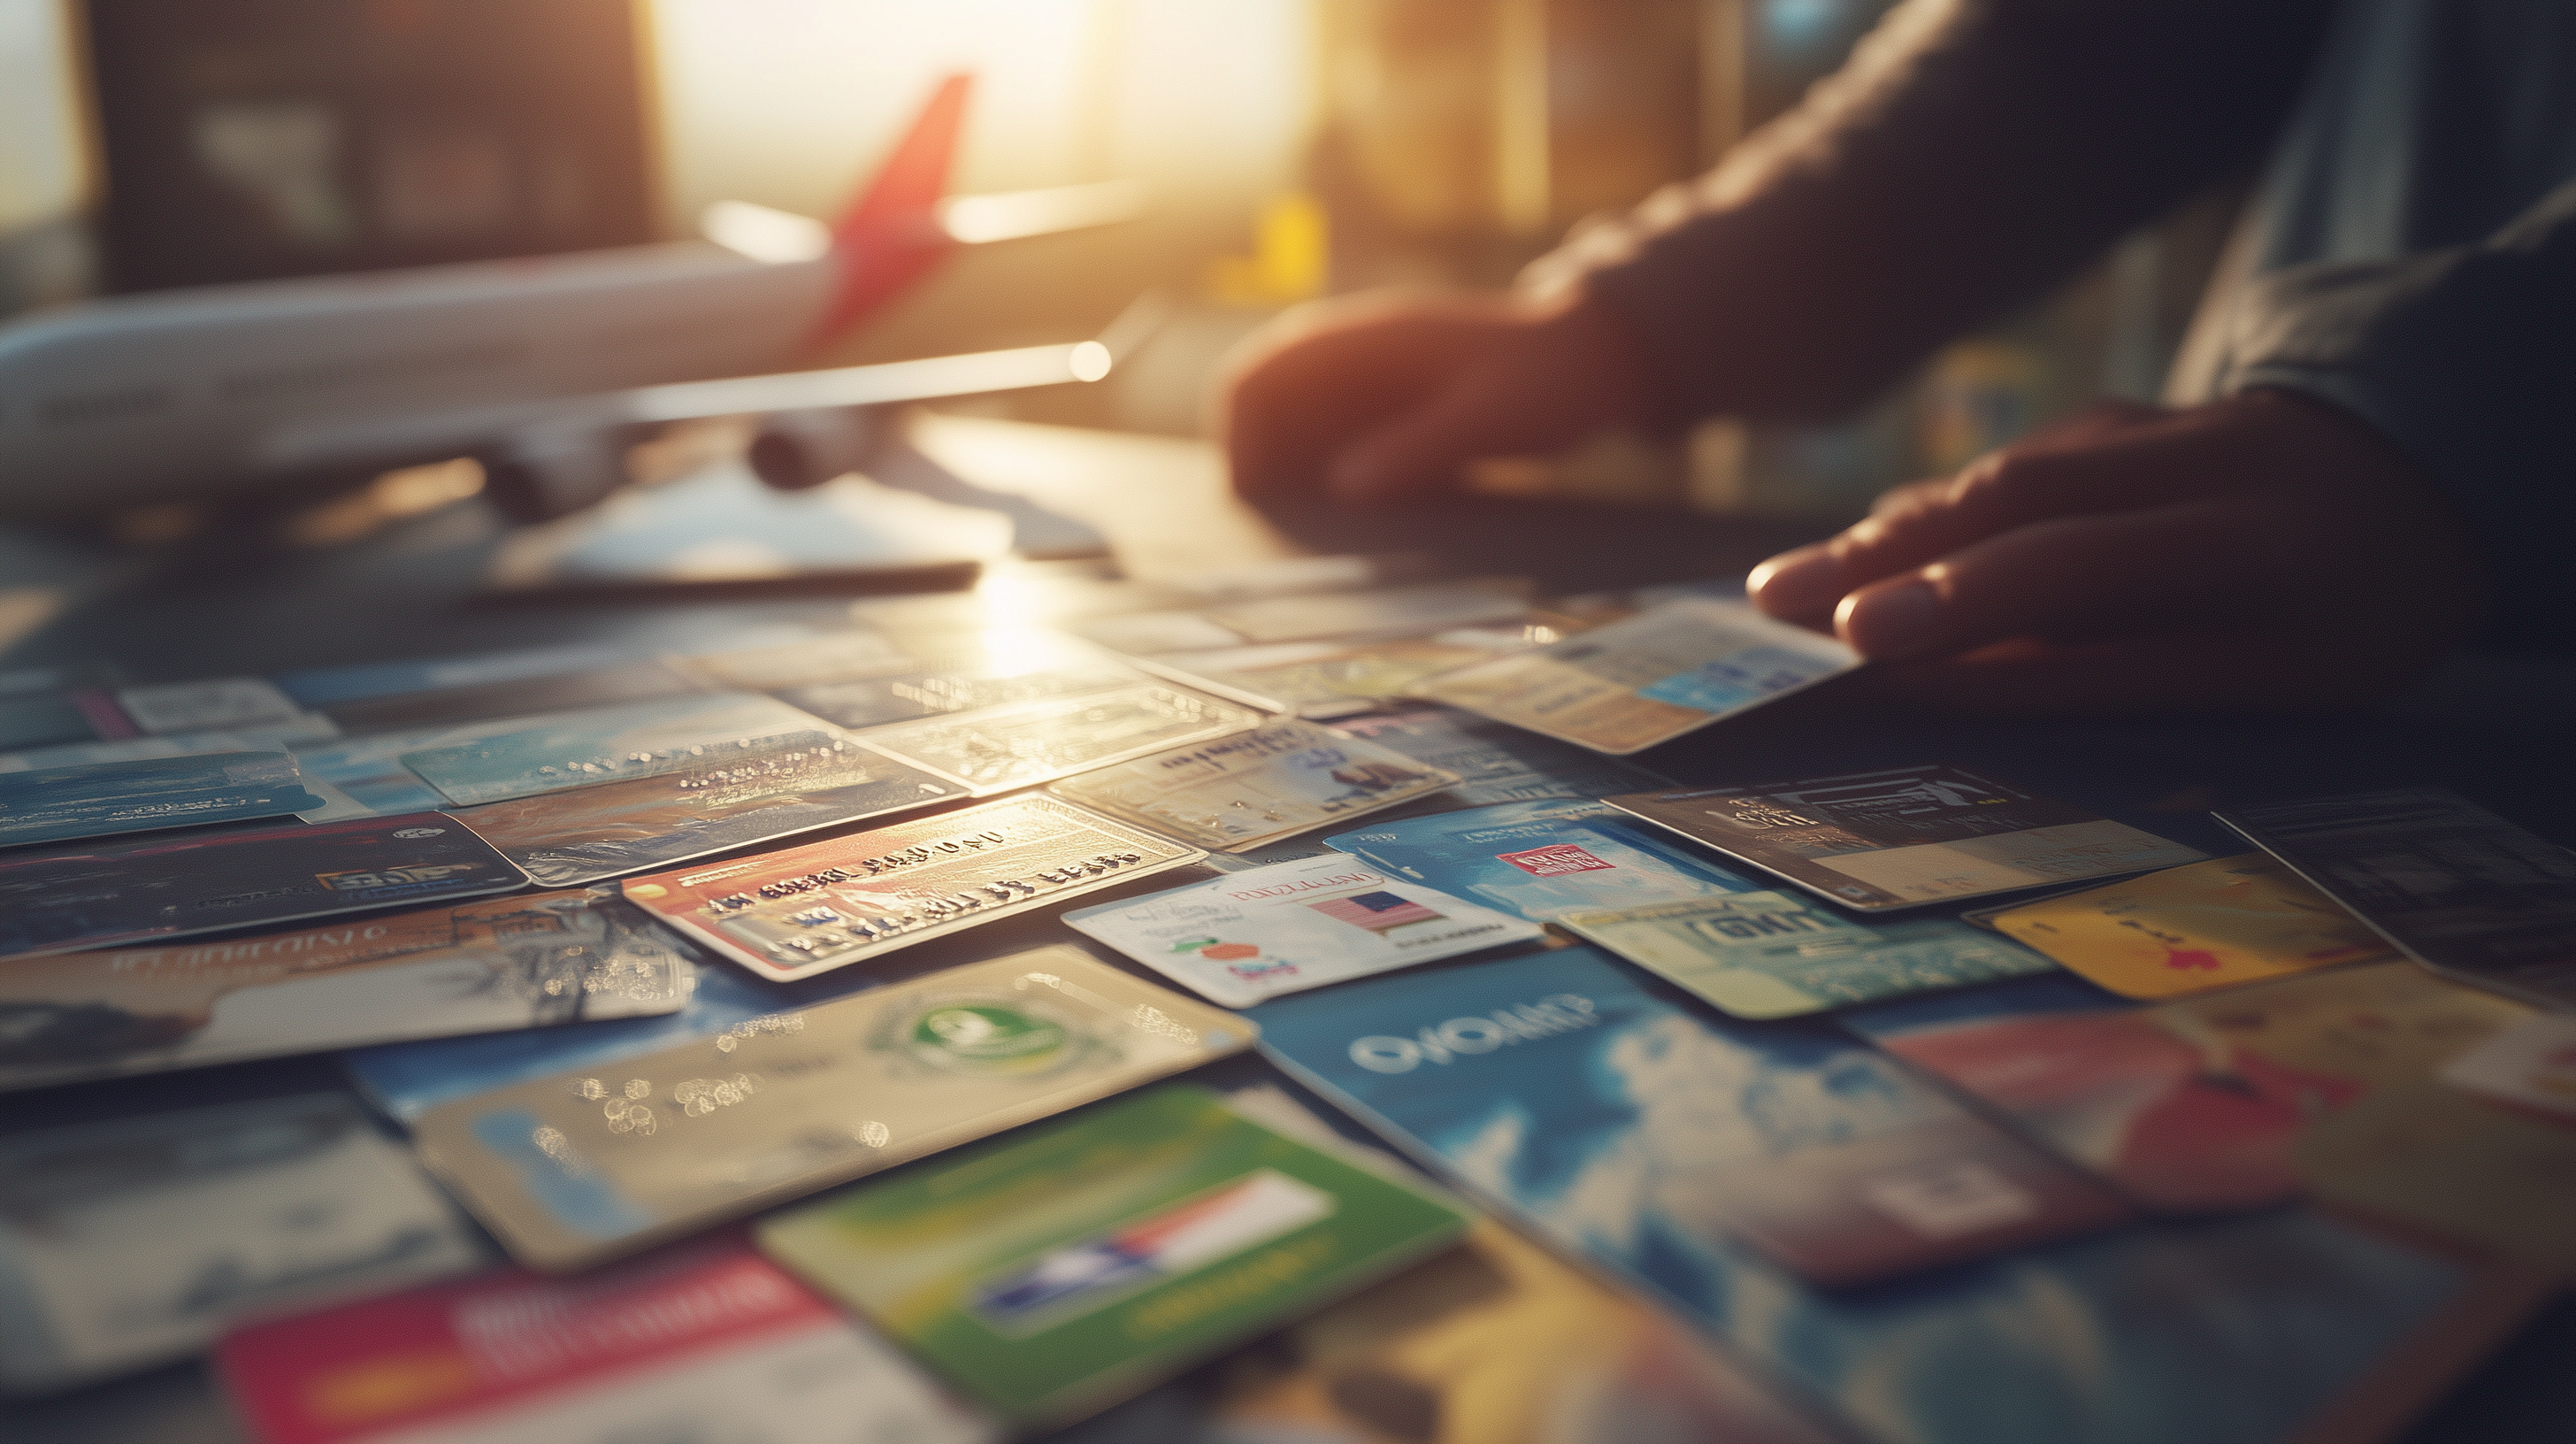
[2070, 578]
[2115, 457]
[1300, 391]
[1554, 380]
[1394, 402]
[2177, 674]
[1498, 408]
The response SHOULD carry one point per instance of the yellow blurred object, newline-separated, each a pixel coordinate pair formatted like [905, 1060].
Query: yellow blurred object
[1291, 259]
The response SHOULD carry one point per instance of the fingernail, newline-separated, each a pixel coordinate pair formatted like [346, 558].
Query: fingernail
[1888, 622]
[1797, 583]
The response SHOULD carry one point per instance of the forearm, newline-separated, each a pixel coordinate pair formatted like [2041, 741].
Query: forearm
[2465, 360]
[1974, 153]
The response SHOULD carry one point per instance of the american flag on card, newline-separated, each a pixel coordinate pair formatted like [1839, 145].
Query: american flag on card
[1375, 911]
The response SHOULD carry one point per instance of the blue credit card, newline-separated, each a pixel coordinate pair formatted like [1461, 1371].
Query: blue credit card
[331, 686]
[1541, 859]
[201, 880]
[1556, 1086]
[323, 687]
[1820, 1153]
[406, 1080]
[370, 769]
[527, 756]
[58, 804]
[1500, 763]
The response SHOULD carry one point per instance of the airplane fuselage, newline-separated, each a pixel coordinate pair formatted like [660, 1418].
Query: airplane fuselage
[189, 394]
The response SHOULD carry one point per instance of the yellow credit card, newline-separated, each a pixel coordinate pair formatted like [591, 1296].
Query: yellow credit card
[2190, 929]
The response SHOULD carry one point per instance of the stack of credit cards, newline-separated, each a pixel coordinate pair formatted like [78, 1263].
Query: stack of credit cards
[1279, 1006]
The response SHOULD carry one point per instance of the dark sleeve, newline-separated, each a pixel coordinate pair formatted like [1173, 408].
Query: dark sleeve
[1972, 154]
[2466, 359]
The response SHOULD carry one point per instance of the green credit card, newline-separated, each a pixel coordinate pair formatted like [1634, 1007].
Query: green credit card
[1054, 1272]
[1771, 955]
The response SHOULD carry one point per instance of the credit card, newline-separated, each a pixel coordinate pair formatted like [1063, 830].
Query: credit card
[406, 1080]
[1587, 1130]
[1027, 743]
[325, 687]
[2196, 1105]
[825, 905]
[1498, 763]
[2431, 1158]
[1058, 1271]
[335, 686]
[2445, 881]
[1499, 1343]
[833, 657]
[591, 833]
[1633, 684]
[1328, 679]
[1771, 955]
[574, 1169]
[527, 756]
[200, 880]
[641, 680]
[298, 733]
[1906, 836]
[57, 804]
[1252, 935]
[1394, 611]
[1351, 616]
[705, 1341]
[1540, 860]
[134, 1242]
[199, 706]
[517, 962]
[41, 719]
[2531, 1064]
[963, 685]
[370, 768]
[1824, 1155]
[1256, 787]
[2193, 929]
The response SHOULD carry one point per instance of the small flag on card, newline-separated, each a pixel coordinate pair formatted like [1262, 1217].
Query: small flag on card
[1375, 911]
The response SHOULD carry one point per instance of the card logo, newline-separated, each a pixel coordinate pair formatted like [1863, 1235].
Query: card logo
[1445, 1043]
[393, 879]
[1555, 860]
[986, 1037]
[413, 834]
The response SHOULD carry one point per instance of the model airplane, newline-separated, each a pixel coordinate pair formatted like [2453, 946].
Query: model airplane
[544, 368]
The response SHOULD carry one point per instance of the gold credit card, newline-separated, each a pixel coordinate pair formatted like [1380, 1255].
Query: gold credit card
[1257, 787]
[586, 1165]
[2194, 928]
[825, 905]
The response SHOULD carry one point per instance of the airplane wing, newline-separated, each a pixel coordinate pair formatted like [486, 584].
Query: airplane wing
[546, 459]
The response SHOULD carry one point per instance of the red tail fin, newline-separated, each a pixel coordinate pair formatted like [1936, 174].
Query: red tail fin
[890, 237]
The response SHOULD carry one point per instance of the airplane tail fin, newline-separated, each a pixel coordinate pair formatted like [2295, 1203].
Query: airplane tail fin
[890, 236]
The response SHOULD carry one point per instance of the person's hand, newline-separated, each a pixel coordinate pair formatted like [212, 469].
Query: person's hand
[2261, 551]
[1380, 399]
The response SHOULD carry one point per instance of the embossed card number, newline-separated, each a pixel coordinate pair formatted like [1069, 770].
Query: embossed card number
[825, 905]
